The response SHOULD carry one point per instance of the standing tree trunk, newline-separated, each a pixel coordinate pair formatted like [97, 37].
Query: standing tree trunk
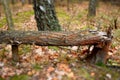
[23, 2]
[45, 15]
[13, 2]
[68, 3]
[0, 8]
[92, 8]
[8, 14]
[30, 1]
[98, 55]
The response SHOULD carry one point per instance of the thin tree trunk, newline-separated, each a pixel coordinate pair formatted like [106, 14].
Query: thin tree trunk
[8, 14]
[68, 5]
[0, 10]
[23, 2]
[30, 1]
[11, 28]
[15, 54]
[92, 8]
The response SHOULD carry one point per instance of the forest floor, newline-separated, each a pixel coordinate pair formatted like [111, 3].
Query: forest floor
[60, 63]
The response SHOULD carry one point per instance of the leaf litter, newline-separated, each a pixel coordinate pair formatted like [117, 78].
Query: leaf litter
[44, 63]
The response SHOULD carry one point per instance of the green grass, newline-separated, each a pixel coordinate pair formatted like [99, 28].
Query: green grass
[1, 78]
[20, 77]
[84, 73]
[53, 47]
[22, 16]
[23, 49]
[18, 18]
[62, 14]
[37, 66]
[2, 22]
[117, 33]
[82, 14]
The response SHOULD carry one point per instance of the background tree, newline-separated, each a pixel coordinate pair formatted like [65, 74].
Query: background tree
[8, 14]
[0, 8]
[10, 27]
[45, 15]
[23, 2]
[92, 7]
[13, 2]
[30, 1]
[68, 3]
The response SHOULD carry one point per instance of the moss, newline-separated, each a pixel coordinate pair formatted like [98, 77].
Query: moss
[24, 49]
[100, 64]
[62, 14]
[37, 66]
[22, 16]
[82, 14]
[1, 78]
[2, 22]
[53, 47]
[84, 73]
[20, 77]
[18, 18]
[85, 28]
[117, 33]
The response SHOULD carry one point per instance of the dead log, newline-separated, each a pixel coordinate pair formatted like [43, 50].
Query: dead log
[99, 54]
[100, 41]
[43, 38]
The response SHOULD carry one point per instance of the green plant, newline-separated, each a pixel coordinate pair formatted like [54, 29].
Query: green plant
[37, 66]
[20, 77]
[24, 49]
[53, 47]
[2, 22]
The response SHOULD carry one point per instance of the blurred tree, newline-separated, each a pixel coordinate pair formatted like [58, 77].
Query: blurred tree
[8, 14]
[92, 7]
[45, 15]
[10, 27]
[0, 8]
[68, 3]
[13, 2]
[23, 2]
[30, 1]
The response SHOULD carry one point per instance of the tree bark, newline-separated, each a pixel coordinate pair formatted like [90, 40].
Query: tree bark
[15, 54]
[99, 53]
[30, 1]
[8, 14]
[50, 38]
[68, 5]
[92, 8]
[45, 15]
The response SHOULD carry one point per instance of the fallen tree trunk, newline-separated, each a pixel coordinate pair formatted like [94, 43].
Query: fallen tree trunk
[43, 38]
[100, 41]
